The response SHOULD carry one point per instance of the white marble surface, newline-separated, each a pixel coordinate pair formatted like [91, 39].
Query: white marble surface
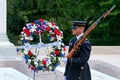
[110, 59]
[2, 16]
[12, 74]
[96, 75]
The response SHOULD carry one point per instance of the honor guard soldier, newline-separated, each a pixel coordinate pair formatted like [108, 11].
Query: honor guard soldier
[77, 67]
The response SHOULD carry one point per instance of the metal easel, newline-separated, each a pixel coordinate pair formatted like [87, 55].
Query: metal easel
[37, 51]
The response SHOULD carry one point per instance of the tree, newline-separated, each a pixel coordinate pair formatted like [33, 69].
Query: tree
[63, 12]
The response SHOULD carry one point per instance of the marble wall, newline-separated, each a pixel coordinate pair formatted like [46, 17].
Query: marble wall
[7, 49]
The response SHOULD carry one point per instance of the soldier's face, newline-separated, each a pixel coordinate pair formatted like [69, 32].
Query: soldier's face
[77, 31]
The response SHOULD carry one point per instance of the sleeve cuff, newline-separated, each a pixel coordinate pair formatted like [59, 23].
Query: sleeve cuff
[69, 60]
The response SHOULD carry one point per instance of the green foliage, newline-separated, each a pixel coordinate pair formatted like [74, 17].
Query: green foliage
[63, 12]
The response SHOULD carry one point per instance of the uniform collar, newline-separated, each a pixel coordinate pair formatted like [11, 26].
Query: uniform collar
[78, 37]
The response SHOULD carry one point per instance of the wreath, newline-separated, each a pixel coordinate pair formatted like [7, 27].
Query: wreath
[52, 60]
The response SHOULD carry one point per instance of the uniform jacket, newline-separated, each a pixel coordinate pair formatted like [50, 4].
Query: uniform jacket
[73, 69]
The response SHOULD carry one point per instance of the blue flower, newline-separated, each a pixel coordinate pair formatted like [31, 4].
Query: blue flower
[40, 67]
[52, 69]
[37, 22]
[17, 49]
[24, 41]
[37, 28]
[31, 34]
[56, 65]
[61, 55]
[44, 22]
[26, 58]
[49, 37]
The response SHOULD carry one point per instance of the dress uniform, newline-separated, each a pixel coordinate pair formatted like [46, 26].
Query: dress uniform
[77, 67]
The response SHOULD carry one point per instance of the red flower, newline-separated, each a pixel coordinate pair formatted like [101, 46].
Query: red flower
[57, 32]
[47, 29]
[30, 53]
[52, 35]
[32, 68]
[44, 62]
[64, 48]
[33, 23]
[41, 20]
[36, 32]
[27, 32]
[53, 24]
[57, 52]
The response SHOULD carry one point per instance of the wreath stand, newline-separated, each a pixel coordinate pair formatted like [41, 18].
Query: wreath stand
[37, 51]
[35, 63]
[56, 77]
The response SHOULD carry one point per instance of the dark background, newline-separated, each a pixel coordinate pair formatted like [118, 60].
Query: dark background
[63, 12]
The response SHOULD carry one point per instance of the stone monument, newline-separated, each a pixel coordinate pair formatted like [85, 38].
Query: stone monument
[7, 49]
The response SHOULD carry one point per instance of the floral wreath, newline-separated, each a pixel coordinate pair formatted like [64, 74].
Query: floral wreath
[52, 60]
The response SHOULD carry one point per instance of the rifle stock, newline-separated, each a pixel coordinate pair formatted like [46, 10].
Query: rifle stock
[86, 33]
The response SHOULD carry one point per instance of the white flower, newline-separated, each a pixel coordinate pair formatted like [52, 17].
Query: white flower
[25, 51]
[29, 60]
[58, 37]
[50, 67]
[48, 62]
[36, 64]
[63, 44]
[30, 38]
[52, 38]
[32, 30]
[62, 51]
[22, 32]
[27, 38]
[25, 35]
[56, 27]
[28, 24]
[50, 32]
[59, 47]
[21, 38]
[49, 24]
[24, 28]
[58, 58]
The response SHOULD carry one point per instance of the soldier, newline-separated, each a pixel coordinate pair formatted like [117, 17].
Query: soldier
[77, 67]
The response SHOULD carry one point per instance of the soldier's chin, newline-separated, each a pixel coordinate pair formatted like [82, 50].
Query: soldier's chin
[73, 34]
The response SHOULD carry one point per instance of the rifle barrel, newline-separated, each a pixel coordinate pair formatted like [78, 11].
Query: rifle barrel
[87, 32]
[108, 12]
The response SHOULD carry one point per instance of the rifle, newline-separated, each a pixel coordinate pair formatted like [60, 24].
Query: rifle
[87, 32]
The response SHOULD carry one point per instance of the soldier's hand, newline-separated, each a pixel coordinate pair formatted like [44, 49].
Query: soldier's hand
[64, 78]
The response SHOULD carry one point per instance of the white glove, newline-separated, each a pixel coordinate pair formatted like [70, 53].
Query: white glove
[64, 78]
[64, 60]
